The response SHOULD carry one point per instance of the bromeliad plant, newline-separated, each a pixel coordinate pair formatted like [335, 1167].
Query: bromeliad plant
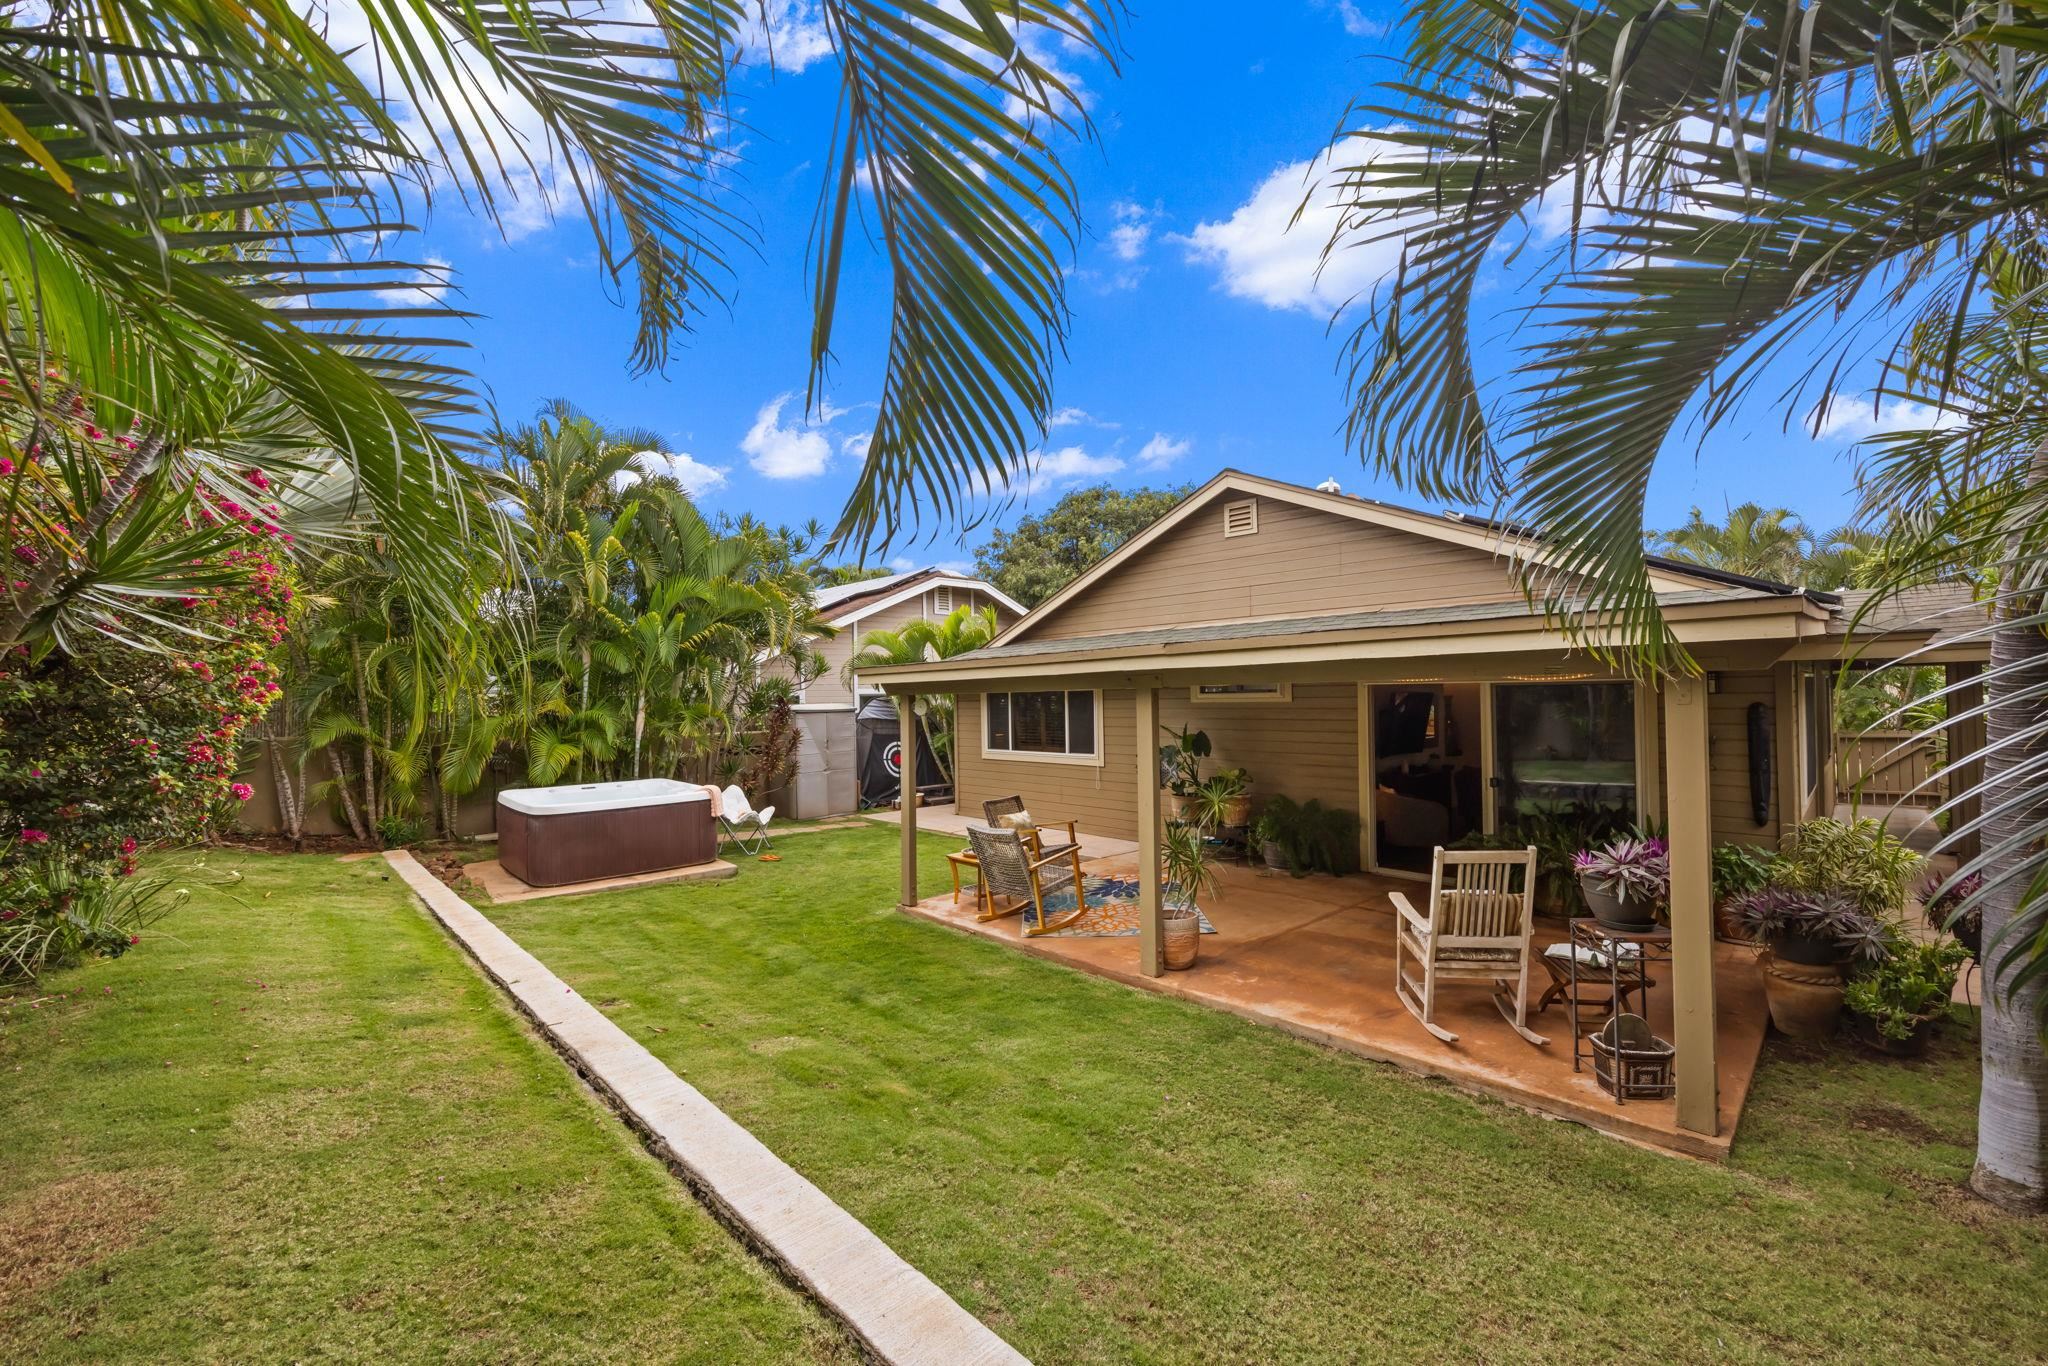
[1629, 869]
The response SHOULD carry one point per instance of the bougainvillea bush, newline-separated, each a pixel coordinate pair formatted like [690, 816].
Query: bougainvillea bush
[124, 737]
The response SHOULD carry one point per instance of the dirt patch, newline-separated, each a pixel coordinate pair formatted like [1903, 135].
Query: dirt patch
[69, 1226]
[1877, 1117]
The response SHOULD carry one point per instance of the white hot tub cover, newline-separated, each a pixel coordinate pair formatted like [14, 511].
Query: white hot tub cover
[573, 799]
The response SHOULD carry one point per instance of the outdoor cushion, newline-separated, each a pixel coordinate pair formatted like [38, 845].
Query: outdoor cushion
[1017, 820]
[1590, 958]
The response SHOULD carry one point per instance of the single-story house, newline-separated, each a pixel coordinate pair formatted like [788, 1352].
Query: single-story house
[1387, 662]
[826, 781]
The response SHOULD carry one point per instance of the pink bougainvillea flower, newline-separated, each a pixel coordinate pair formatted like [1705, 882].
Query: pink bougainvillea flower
[243, 792]
[34, 836]
[9, 915]
[6, 467]
[128, 845]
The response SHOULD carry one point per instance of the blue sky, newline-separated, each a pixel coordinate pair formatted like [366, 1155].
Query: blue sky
[1199, 340]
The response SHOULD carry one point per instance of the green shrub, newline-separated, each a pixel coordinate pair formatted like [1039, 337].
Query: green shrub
[1858, 858]
[1740, 869]
[1909, 987]
[1313, 838]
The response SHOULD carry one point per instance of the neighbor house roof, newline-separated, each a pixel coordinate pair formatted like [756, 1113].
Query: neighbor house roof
[848, 602]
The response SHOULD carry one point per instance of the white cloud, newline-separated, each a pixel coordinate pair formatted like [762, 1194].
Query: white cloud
[1162, 450]
[1354, 20]
[779, 450]
[434, 284]
[857, 445]
[698, 478]
[794, 37]
[1078, 417]
[1132, 233]
[1263, 252]
[1067, 467]
[1852, 419]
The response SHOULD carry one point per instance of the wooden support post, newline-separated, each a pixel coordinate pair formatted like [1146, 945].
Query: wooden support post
[1965, 740]
[906, 790]
[1692, 910]
[1151, 913]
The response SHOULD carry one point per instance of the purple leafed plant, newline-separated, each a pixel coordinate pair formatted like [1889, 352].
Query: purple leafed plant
[1778, 913]
[1628, 869]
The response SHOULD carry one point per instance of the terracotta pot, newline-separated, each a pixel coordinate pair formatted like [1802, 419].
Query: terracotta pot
[1618, 913]
[1727, 926]
[1173, 806]
[1805, 998]
[1182, 940]
[1238, 812]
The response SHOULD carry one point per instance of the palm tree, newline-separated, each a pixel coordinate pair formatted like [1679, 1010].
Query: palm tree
[210, 251]
[963, 629]
[1766, 543]
[1734, 176]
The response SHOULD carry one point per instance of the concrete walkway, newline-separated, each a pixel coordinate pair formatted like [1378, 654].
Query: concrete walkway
[950, 820]
[889, 1305]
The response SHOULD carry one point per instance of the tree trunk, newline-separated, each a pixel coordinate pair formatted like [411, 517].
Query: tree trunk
[281, 780]
[929, 748]
[343, 777]
[298, 817]
[2012, 1117]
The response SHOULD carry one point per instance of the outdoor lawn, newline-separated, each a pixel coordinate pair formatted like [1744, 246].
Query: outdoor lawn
[1106, 1175]
[296, 1123]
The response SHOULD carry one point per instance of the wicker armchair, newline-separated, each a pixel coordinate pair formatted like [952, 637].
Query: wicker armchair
[1011, 871]
[1010, 806]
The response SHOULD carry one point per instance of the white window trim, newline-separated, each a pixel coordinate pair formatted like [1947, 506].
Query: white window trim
[1012, 756]
[1282, 692]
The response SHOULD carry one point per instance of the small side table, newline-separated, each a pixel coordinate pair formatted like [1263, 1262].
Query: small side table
[1651, 945]
[966, 859]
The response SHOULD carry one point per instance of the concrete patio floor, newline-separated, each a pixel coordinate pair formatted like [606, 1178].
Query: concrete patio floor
[1314, 956]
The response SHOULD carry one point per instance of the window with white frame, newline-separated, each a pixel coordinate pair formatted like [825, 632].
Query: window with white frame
[1059, 726]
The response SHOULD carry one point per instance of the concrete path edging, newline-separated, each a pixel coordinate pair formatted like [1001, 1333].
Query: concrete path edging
[894, 1309]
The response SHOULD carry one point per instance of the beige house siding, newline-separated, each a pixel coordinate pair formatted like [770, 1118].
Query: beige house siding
[1732, 820]
[1304, 748]
[1103, 799]
[1301, 561]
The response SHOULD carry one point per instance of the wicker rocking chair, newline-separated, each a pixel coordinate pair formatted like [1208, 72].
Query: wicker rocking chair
[1011, 871]
[998, 809]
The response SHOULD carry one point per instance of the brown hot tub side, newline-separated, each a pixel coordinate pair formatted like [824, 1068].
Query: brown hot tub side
[553, 848]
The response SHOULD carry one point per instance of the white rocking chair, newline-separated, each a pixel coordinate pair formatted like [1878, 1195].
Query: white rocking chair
[1477, 930]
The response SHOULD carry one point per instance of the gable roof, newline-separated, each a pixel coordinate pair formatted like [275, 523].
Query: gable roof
[1515, 543]
[849, 602]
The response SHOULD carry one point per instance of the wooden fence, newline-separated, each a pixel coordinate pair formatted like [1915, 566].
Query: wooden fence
[1887, 767]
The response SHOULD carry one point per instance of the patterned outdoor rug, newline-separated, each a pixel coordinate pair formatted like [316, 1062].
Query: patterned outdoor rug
[1112, 910]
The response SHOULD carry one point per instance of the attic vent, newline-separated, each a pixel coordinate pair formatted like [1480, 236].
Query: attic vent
[942, 600]
[1241, 519]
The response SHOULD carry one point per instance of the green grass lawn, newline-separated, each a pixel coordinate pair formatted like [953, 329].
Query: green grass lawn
[1107, 1175]
[298, 1124]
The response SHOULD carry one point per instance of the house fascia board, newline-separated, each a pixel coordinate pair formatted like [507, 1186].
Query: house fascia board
[1516, 550]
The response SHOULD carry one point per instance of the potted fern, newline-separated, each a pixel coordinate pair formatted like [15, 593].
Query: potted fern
[1187, 876]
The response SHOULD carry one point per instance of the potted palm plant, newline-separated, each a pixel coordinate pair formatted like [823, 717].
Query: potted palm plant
[1625, 881]
[1187, 876]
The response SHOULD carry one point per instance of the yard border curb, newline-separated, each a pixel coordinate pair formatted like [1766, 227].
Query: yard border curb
[891, 1308]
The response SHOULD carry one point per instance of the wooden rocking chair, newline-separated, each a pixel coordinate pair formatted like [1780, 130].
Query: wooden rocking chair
[1011, 870]
[1477, 930]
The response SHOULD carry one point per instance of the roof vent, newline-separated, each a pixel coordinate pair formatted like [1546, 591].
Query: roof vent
[1330, 485]
[1241, 518]
[942, 599]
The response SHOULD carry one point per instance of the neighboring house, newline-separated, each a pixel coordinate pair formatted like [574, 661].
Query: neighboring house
[826, 782]
[1386, 661]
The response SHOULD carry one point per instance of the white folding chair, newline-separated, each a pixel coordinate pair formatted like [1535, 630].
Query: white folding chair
[742, 822]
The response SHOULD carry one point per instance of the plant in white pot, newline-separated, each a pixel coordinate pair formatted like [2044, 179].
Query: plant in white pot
[1625, 881]
[1187, 875]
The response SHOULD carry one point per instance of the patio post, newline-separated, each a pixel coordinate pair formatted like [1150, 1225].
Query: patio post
[1151, 914]
[906, 790]
[1692, 913]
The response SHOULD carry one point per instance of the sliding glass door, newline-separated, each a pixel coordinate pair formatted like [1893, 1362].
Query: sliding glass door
[1563, 752]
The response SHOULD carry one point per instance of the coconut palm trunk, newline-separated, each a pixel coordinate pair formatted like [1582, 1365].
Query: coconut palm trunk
[2012, 1116]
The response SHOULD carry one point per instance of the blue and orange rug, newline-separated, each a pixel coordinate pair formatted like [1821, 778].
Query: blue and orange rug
[1112, 910]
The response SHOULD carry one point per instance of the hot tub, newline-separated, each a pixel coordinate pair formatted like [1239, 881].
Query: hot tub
[548, 836]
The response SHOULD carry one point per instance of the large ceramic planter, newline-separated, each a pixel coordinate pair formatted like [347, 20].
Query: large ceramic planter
[1274, 856]
[1805, 998]
[1618, 913]
[1807, 951]
[1181, 941]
